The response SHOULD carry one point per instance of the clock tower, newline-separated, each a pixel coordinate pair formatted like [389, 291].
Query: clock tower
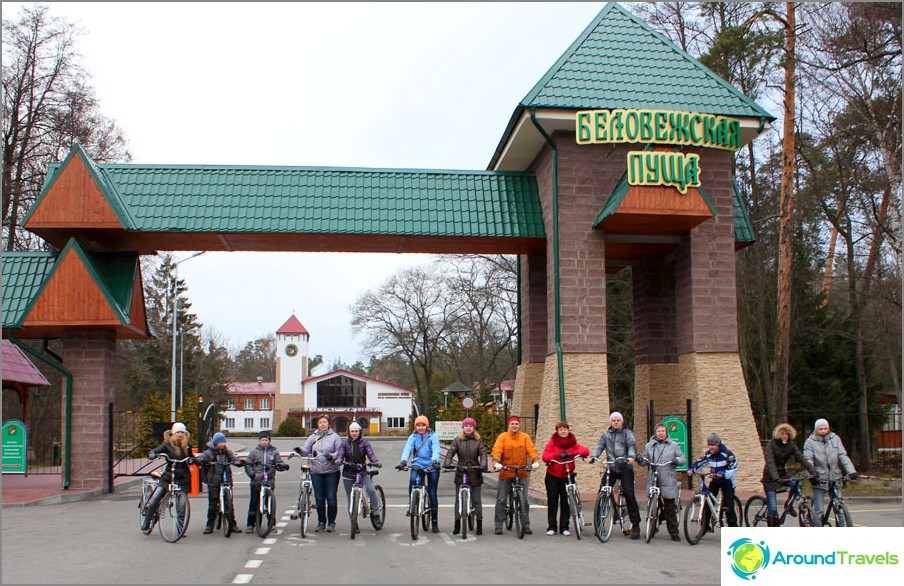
[291, 367]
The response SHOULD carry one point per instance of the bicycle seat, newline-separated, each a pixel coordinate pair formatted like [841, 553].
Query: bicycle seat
[156, 474]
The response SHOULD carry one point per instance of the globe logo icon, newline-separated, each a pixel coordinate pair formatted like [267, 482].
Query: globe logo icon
[748, 558]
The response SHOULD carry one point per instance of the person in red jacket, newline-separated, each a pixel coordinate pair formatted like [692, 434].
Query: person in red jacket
[562, 447]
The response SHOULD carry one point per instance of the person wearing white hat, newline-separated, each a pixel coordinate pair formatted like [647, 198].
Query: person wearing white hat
[618, 442]
[354, 449]
[175, 445]
[824, 451]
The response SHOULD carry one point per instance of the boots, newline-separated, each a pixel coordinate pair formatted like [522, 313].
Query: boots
[771, 521]
[479, 527]
[435, 527]
[457, 528]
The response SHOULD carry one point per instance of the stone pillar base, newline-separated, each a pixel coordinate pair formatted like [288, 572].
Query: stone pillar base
[528, 385]
[282, 404]
[715, 384]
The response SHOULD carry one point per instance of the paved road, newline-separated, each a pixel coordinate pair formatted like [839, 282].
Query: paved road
[98, 542]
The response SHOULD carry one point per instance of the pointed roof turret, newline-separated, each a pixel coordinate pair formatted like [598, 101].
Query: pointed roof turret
[292, 326]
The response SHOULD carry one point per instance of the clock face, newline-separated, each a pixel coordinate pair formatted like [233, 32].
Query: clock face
[291, 350]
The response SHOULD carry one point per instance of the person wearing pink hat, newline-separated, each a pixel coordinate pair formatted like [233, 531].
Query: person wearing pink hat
[469, 448]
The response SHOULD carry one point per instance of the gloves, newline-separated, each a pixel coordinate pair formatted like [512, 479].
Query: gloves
[377, 464]
[401, 466]
[282, 467]
[435, 465]
[497, 466]
[535, 466]
[329, 457]
[814, 481]
[563, 455]
[786, 481]
[591, 459]
[853, 476]
[152, 455]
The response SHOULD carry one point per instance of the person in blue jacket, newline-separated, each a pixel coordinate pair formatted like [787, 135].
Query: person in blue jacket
[422, 448]
[724, 467]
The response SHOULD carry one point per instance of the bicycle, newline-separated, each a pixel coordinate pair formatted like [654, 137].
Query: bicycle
[467, 514]
[573, 495]
[655, 504]
[359, 504]
[265, 518]
[608, 510]
[226, 508]
[756, 510]
[305, 494]
[148, 486]
[705, 511]
[173, 511]
[515, 502]
[836, 513]
[418, 504]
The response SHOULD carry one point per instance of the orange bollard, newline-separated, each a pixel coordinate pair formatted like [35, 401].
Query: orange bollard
[195, 477]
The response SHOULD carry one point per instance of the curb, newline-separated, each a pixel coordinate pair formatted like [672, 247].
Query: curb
[72, 497]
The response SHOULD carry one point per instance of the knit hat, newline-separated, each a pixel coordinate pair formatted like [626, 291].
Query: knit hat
[616, 415]
[713, 440]
[820, 422]
[422, 419]
[513, 418]
[218, 438]
[179, 426]
[265, 433]
[469, 421]
[354, 426]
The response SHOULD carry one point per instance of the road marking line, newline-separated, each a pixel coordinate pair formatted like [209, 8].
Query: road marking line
[271, 540]
[251, 564]
[243, 578]
[448, 539]
[262, 551]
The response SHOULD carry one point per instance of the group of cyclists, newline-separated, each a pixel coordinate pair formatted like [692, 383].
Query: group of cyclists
[513, 456]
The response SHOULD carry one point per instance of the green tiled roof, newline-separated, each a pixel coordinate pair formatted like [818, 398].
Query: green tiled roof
[621, 62]
[326, 200]
[743, 228]
[621, 190]
[23, 275]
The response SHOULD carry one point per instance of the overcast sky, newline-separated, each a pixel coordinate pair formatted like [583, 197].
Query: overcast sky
[395, 85]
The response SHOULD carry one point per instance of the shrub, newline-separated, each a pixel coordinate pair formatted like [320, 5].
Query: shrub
[291, 427]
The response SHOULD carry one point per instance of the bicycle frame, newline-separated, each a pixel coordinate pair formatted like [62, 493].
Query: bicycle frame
[466, 518]
[418, 507]
[836, 507]
[169, 501]
[305, 492]
[573, 495]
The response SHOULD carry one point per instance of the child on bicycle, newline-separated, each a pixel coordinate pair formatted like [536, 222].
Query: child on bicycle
[259, 459]
[175, 445]
[423, 449]
[563, 446]
[618, 442]
[217, 459]
[724, 466]
[825, 452]
[469, 448]
[513, 448]
[662, 449]
[356, 450]
[777, 453]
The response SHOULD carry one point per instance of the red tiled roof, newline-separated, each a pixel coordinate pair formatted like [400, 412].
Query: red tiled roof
[252, 388]
[292, 326]
[17, 368]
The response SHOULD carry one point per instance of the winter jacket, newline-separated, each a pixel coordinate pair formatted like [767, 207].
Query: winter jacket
[514, 449]
[324, 447]
[722, 462]
[356, 451]
[827, 455]
[617, 443]
[426, 448]
[215, 462]
[559, 444]
[471, 452]
[777, 454]
[262, 459]
[661, 452]
[176, 451]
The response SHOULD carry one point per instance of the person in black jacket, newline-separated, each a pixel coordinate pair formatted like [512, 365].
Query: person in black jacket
[263, 458]
[469, 448]
[777, 452]
[217, 459]
[175, 445]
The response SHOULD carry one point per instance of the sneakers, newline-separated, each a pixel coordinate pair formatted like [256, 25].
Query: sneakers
[321, 526]
[566, 532]
[498, 531]
[527, 531]
[635, 531]
[250, 529]
[331, 527]
[550, 531]
[208, 530]
[675, 537]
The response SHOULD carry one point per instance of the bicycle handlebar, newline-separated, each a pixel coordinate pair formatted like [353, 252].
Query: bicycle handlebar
[166, 457]
[565, 463]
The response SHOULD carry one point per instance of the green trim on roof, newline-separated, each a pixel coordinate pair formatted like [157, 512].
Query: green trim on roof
[614, 201]
[24, 274]
[709, 204]
[118, 271]
[743, 227]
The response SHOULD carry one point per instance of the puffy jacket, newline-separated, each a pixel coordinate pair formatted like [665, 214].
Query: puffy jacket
[471, 452]
[617, 443]
[356, 451]
[514, 449]
[661, 452]
[215, 462]
[777, 454]
[324, 447]
[558, 444]
[722, 462]
[176, 451]
[828, 456]
[262, 459]
[426, 448]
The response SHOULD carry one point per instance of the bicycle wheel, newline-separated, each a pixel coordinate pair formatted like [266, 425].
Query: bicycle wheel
[805, 514]
[723, 512]
[694, 522]
[304, 510]
[517, 508]
[376, 521]
[464, 506]
[577, 518]
[143, 508]
[425, 512]
[354, 510]
[414, 503]
[602, 517]
[173, 515]
[755, 511]
[509, 510]
[841, 516]
[652, 520]
[265, 520]
[226, 514]
[621, 511]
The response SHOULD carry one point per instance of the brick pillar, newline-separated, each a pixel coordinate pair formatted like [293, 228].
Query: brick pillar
[529, 378]
[91, 357]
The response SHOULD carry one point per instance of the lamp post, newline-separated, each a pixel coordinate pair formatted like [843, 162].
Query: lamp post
[175, 311]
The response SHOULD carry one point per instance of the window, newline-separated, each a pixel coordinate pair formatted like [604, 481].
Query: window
[265, 403]
[341, 391]
[249, 404]
[229, 423]
[249, 423]
[230, 404]
[265, 423]
[395, 422]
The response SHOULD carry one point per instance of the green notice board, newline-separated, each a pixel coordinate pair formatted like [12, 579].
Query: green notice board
[15, 447]
[677, 430]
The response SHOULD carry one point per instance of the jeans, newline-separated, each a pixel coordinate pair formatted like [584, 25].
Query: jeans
[819, 496]
[372, 496]
[771, 504]
[502, 490]
[325, 488]
[556, 498]
[432, 479]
